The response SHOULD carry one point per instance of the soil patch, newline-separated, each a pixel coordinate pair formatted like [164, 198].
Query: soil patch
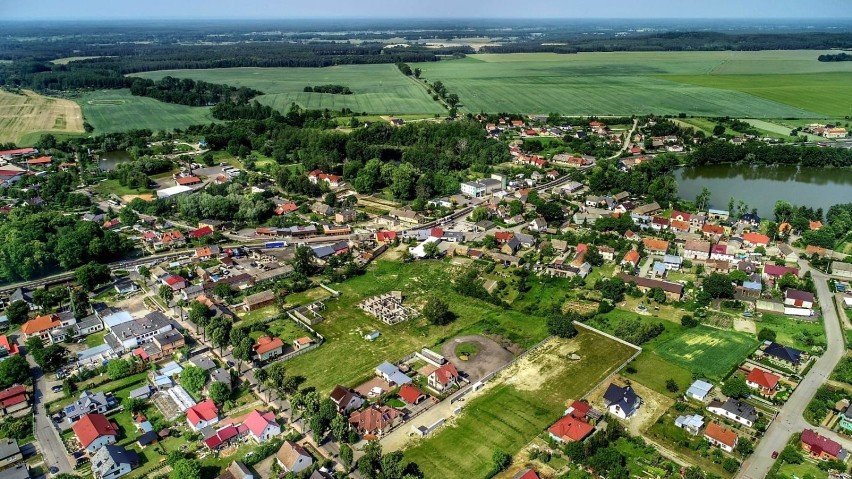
[489, 355]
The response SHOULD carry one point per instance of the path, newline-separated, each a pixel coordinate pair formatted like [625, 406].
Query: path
[626, 140]
[789, 419]
[52, 450]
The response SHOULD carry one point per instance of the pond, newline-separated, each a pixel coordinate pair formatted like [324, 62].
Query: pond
[761, 186]
[109, 160]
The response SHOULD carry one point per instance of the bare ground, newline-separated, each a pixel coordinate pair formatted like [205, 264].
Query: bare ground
[490, 356]
[653, 406]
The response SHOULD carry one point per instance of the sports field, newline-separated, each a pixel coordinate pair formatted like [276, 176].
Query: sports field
[524, 400]
[26, 116]
[117, 110]
[706, 351]
[376, 88]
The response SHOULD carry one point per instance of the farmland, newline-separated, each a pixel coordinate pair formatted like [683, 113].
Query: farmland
[23, 117]
[345, 323]
[523, 401]
[707, 351]
[117, 110]
[376, 88]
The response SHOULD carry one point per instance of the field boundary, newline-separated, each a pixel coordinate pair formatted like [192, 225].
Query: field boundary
[619, 368]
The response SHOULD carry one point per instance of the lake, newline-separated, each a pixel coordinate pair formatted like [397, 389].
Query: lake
[761, 186]
[109, 160]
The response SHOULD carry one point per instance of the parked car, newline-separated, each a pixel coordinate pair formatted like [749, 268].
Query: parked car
[56, 389]
[774, 454]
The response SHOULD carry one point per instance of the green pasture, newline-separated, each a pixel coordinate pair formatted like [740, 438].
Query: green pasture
[117, 110]
[707, 351]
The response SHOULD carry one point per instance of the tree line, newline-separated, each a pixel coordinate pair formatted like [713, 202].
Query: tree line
[190, 92]
[839, 57]
[755, 153]
[333, 89]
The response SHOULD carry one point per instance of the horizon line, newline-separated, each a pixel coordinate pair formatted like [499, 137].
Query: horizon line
[66, 19]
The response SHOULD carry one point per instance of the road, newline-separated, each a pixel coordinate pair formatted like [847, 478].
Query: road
[789, 419]
[626, 140]
[52, 449]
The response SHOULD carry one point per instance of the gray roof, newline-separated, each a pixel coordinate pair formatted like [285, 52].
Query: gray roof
[738, 408]
[168, 337]
[150, 322]
[109, 455]
[18, 472]
[393, 373]
[220, 376]
[8, 448]
[21, 294]
[143, 392]
[699, 388]
[203, 362]
[88, 401]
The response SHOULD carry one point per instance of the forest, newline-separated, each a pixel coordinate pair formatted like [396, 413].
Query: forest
[190, 92]
[840, 57]
[754, 153]
[333, 89]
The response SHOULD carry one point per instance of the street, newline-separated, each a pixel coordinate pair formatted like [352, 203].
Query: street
[789, 420]
[50, 444]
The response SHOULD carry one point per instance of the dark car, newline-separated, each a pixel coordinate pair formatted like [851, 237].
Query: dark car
[56, 389]
[53, 469]
[774, 454]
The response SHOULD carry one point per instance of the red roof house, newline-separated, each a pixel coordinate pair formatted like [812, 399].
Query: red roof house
[444, 377]
[756, 239]
[820, 446]
[765, 381]
[411, 394]
[201, 232]
[202, 415]
[261, 425]
[10, 347]
[94, 430]
[579, 409]
[570, 429]
[13, 399]
[528, 473]
[385, 236]
[775, 271]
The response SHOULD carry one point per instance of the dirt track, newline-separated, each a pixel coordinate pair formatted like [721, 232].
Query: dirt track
[490, 357]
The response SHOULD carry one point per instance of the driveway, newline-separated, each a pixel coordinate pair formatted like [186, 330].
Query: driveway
[50, 444]
[489, 358]
[789, 419]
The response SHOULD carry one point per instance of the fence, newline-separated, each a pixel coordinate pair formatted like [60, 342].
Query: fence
[618, 369]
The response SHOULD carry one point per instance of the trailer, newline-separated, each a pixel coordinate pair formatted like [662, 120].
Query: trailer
[275, 244]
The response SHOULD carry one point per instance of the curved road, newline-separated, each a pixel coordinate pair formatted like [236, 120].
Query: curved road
[789, 419]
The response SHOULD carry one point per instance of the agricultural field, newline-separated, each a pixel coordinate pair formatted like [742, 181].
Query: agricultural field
[23, 117]
[745, 84]
[378, 89]
[346, 324]
[522, 402]
[708, 351]
[117, 110]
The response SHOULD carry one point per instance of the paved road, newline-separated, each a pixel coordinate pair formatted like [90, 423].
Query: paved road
[789, 419]
[50, 443]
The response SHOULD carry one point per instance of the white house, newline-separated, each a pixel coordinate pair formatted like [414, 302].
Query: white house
[112, 462]
[293, 457]
[622, 402]
[734, 410]
[262, 425]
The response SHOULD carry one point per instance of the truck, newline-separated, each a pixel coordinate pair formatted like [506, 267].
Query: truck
[275, 244]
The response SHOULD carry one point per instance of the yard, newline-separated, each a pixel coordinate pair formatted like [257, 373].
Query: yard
[806, 469]
[345, 323]
[523, 401]
[692, 447]
[708, 352]
[803, 335]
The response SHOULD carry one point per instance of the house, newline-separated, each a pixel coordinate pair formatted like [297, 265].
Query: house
[7, 348]
[821, 447]
[647, 209]
[659, 223]
[834, 133]
[237, 470]
[692, 423]
[385, 236]
[655, 245]
[527, 473]
[621, 401]
[261, 425]
[187, 181]
[846, 418]
[392, 374]
[631, 259]
[94, 431]
[443, 378]
[14, 399]
[724, 438]
[41, 326]
[112, 462]
[843, 270]
[673, 291]
[144, 392]
[207, 252]
[788, 253]
[259, 300]
[10, 453]
[25, 295]
[132, 334]
[699, 390]
[175, 282]
[771, 271]
[293, 457]
[799, 299]
[696, 249]
[719, 252]
[710, 230]
[345, 216]
[763, 381]
[88, 403]
[303, 342]
[570, 429]
[735, 410]
[672, 261]
[784, 354]
[202, 415]
[268, 348]
[755, 239]
[538, 224]
[411, 394]
[714, 214]
[346, 399]
[224, 436]
[376, 420]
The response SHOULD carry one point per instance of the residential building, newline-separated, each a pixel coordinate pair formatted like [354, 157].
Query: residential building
[755, 239]
[268, 348]
[696, 249]
[346, 399]
[840, 269]
[10, 453]
[443, 378]
[19, 471]
[376, 420]
[846, 418]
[293, 457]
[131, 334]
[692, 423]
[202, 415]
[734, 410]
[411, 394]
[95, 431]
[259, 300]
[622, 402]
[821, 447]
[87, 403]
[237, 470]
[570, 429]
[771, 271]
[798, 299]
[673, 291]
[14, 399]
[392, 374]
[41, 326]
[112, 462]
[654, 245]
[261, 425]
[724, 438]
[784, 354]
[7, 348]
[763, 381]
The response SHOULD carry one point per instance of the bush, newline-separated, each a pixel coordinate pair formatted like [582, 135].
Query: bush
[689, 322]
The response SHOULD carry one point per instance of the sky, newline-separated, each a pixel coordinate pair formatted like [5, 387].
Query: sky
[272, 9]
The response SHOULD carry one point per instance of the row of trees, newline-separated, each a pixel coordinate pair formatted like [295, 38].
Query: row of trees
[190, 92]
[332, 89]
[756, 153]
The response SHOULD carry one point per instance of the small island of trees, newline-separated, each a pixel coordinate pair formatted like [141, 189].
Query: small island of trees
[333, 89]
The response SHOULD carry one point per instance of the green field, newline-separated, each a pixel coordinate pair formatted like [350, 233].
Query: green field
[519, 407]
[346, 324]
[376, 88]
[767, 84]
[708, 351]
[117, 110]
[803, 335]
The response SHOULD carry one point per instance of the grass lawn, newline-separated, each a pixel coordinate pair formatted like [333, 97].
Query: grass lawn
[804, 469]
[708, 351]
[526, 399]
[694, 447]
[653, 371]
[345, 323]
[117, 110]
[260, 314]
[376, 88]
[107, 187]
[96, 339]
[795, 333]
